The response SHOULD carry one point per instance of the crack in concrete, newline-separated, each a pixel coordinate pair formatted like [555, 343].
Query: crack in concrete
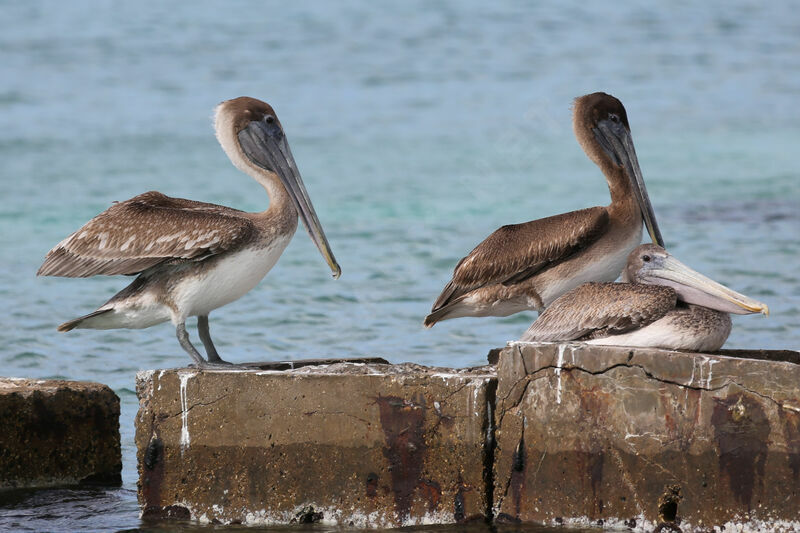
[462, 387]
[764, 396]
[728, 382]
[199, 404]
[441, 416]
[521, 397]
[646, 372]
[514, 386]
[529, 379]
[498, 504]
[522, 360]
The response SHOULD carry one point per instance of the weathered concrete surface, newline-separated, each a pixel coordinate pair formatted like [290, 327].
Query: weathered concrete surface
[300, 363]
[587, 434]
[58, 432]
[347, 443]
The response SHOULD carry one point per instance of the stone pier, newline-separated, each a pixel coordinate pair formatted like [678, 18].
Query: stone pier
[553, 434]
[361, 444]
[606, 435]
[56, 432]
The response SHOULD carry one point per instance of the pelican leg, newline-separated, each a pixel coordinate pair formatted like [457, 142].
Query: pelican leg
[205, 336]
[183, 339]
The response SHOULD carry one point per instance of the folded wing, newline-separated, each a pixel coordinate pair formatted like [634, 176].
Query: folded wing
[147, 230]
[516, 252]
[601, 309]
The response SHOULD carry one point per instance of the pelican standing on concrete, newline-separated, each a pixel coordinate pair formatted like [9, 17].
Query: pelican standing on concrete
[193, 257]
[527, 266]
[661, 304]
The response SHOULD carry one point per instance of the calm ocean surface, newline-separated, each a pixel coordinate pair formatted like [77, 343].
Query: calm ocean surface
[419, 127]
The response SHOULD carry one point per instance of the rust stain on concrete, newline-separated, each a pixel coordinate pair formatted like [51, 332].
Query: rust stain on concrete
[402, 422]
[590, 467]
[741, 430]
[431, 492]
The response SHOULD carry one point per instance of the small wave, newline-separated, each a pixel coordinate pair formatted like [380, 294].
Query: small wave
[26, 356]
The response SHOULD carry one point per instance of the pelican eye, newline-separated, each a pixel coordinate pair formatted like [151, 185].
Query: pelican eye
[269, 119]
[613, 117]
[646, 258]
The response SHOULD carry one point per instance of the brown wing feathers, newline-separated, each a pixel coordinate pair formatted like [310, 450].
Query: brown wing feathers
[144, 231]
[601, 309]
[516, 252]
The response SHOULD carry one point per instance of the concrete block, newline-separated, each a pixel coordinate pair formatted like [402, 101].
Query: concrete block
[588, 434]
[58, 433]
[368, 445]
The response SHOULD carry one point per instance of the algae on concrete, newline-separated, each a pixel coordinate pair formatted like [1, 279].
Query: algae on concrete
[57, 432]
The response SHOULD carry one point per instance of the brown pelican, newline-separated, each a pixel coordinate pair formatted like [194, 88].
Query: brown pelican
[661, 303]
[527, 266]
[192, 257]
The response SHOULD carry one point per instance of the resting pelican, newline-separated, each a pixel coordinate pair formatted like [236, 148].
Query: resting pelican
[661, 303]
[192, 257]
[527, 266]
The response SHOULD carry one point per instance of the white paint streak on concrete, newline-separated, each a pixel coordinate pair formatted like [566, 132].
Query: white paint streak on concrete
[160, 375]
[694, 366]
[185, 439]
[559, 363]
[711, 363]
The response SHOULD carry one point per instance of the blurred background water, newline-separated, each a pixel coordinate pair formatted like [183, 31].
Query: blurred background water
[419, 127]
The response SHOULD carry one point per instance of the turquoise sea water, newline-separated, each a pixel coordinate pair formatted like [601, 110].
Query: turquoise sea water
[419, 127]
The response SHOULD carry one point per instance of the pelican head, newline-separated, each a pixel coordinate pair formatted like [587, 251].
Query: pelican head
[601, 126]
[653, 265]
[253, 138]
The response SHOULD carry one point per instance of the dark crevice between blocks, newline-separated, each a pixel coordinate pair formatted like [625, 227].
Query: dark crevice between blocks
[489, 448]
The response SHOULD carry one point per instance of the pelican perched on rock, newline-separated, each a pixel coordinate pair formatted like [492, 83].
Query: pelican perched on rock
[193, 257]
[661, 303]
[527, 266]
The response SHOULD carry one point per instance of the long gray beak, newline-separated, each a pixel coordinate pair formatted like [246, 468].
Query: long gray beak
[694, 288]
[618, 143]
[265, 144]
